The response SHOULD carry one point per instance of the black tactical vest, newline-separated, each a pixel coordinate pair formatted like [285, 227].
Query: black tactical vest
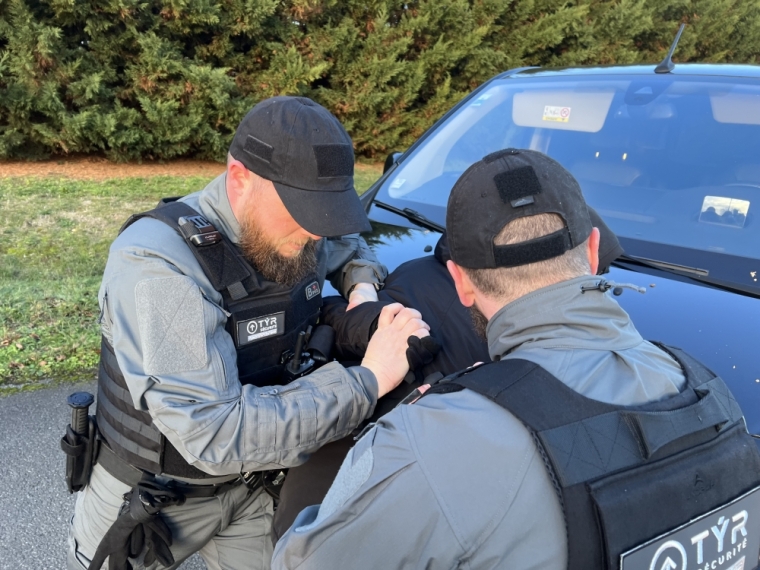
[264, 321]
[672, 484]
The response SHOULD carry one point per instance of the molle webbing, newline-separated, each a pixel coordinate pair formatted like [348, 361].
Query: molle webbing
[129, 432]
[260, 363]
[247, 296]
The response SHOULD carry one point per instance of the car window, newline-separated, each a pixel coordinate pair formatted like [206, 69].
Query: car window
[664, 159]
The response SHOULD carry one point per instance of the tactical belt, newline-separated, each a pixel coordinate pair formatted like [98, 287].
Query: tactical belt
[131, 476]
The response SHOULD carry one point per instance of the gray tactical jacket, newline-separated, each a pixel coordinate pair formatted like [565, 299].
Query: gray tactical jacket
[167, 326]
[454, 480]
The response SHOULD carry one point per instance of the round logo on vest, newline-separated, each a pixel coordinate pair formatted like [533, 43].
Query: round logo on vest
[253, 327]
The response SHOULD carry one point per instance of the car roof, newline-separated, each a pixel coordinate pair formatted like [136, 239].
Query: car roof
[693, 69]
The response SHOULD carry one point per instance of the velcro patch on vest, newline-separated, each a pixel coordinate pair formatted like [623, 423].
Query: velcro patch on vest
[727, 538]
[257, 329]
[312, 290]
[171, 323]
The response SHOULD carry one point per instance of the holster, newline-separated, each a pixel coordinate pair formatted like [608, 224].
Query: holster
[81, 454]
[272, 481]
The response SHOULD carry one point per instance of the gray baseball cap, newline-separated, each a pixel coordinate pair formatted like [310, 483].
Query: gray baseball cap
[307, 154]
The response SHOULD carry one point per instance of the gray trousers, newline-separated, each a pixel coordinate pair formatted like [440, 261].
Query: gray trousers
[231, 531]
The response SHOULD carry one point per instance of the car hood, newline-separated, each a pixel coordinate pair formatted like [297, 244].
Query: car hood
[719, 328]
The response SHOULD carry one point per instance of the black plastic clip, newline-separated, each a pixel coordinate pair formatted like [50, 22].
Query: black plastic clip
[199, 230]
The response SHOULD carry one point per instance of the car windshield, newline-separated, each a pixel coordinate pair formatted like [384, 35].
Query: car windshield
[665, 160]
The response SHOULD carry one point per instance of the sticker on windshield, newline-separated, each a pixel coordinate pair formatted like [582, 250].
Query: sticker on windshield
[724, 211]
[556, 114]
[398, 183]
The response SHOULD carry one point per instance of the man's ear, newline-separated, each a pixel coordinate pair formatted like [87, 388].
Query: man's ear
[237, 176]
[462, 283]
[238, 184]
[593, 250]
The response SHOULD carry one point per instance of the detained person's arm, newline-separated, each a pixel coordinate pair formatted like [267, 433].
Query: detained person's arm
[354, 328]
[352, 267]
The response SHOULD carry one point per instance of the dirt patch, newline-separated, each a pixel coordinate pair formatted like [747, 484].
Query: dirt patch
[92, 168]
[89, 168]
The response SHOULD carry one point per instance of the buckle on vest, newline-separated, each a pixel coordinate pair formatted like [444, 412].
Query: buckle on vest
[198, 230]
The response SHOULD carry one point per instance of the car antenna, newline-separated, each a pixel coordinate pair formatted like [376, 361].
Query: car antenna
[667, 65]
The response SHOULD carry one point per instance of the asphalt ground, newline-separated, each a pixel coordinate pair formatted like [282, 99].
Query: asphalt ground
[35, 505]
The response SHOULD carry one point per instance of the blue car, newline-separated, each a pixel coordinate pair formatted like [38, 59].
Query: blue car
[670, 158]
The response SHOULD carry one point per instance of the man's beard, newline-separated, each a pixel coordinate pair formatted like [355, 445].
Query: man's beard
[479, 322]
[274, 266]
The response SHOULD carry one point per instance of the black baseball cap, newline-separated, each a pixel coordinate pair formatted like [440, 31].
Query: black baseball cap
[307, 154]
[609, 246]
[506, 185]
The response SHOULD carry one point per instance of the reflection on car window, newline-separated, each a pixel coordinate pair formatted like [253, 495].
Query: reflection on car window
[663, 159]
[725, 211]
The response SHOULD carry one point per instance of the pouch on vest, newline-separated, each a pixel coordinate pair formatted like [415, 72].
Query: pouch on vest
[669, 485]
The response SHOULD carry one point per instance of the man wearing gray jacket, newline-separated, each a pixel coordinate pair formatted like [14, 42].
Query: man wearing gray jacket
[202, 303]
[454, 480]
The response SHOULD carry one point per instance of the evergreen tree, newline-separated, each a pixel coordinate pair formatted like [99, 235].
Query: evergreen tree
[156, 79]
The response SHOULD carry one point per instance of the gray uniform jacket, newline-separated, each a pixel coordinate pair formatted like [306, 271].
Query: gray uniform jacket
[454, 480]
[167, 326]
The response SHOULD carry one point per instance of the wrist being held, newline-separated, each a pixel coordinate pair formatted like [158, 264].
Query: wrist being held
[361, 293]
[386, 353]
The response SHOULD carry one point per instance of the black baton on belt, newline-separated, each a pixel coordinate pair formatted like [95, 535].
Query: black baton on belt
[79, 442]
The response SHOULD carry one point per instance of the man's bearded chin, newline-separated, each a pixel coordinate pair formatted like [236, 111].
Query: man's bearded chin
[479, 322]
[263, 254]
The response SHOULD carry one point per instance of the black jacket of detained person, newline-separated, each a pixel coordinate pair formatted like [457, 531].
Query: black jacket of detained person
[424, 284]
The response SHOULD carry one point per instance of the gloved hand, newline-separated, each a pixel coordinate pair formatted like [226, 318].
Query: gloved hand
[138, 527]
[421, 351]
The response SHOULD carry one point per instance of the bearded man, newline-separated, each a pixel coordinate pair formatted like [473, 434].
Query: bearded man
[201, 301]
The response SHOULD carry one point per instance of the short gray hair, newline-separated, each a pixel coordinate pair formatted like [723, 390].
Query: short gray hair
[509, 283]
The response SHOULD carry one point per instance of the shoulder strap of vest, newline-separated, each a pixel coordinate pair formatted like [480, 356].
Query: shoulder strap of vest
[544, 402]
[217, 256]
[590, 438]
[696, 373]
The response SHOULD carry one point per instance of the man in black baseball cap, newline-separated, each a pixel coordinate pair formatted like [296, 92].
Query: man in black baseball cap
[473, 471]
[503, 187]
[290, 183]
[306, 153]
[204, 301]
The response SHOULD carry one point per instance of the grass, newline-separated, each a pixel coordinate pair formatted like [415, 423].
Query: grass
[54, 239]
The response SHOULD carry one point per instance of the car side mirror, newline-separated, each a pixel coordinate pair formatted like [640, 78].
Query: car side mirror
[391, 160]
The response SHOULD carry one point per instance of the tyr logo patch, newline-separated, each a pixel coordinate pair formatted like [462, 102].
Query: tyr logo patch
[260, 328]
